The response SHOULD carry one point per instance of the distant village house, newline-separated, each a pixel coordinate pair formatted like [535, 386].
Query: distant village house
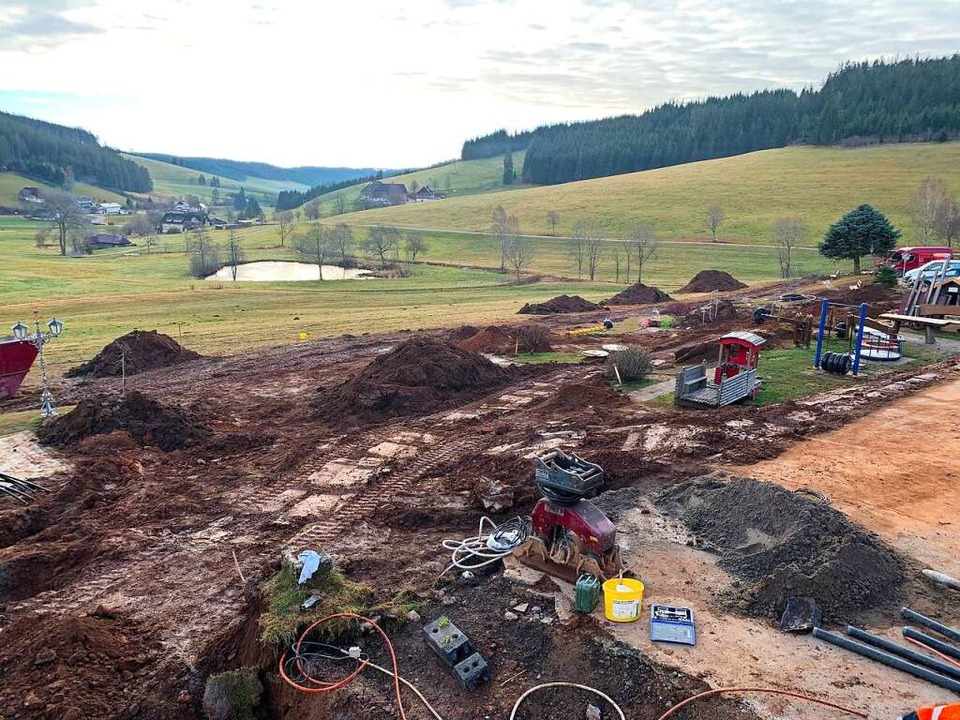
[178, 222]
[381, 194]
[30, 194]
[108, 240]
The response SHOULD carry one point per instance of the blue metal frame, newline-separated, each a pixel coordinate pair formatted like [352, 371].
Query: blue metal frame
[824, 310]
[859, 345]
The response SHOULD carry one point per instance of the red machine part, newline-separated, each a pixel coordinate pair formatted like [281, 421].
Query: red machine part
[16, 357]
[736, 355]
[584, 519]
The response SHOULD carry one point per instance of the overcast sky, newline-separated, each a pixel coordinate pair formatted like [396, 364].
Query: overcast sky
[398, 84]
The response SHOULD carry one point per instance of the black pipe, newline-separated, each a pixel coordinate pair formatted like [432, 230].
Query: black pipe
[919, 619]
[905, 652]
[939, 645]
[887, 659]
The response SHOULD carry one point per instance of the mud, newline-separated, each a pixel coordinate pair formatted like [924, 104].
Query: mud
[782, 544]
[639, 294]
[146, 420]
[712, 281]
[709, 313]
[418, 377]
[559, 305]
[134, 353]
[509, 340]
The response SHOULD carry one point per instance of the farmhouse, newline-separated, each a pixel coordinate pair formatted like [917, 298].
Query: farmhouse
[424, 194]
[29, 194]
[108, 240]
[381, 193]
[108, 208]
[177, 222]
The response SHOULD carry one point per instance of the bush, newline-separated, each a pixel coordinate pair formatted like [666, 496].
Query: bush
[533, 338]
[885, 275]
[631, 364]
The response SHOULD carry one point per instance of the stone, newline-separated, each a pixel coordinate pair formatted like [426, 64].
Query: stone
[522, 607]
[413, 616]
[510, 616]
[47, 655]
[32, 701]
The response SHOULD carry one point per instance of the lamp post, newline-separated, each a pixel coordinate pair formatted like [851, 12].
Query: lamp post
[39, 339]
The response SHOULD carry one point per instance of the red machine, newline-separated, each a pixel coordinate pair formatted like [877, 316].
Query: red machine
[16, 357]
[738, 352]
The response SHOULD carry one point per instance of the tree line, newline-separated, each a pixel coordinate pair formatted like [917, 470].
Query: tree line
[60, 155]
[868, 102]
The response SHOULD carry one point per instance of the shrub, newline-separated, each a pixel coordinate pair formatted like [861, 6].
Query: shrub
[632, 364]
[534, 338]
[885, 275]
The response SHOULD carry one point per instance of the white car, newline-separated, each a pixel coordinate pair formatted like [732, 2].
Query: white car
[930, 270]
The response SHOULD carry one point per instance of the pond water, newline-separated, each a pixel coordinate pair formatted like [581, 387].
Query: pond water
[283, 271]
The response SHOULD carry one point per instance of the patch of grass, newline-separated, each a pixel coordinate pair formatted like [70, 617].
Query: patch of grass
[26, 420]
[788, 374]
[553, 356]
[632, 385]
[12, 183]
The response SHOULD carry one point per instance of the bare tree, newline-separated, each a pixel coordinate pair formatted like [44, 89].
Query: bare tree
[595, 249]
[67, 223]
[414, 185]
[788, 235]
[585, 232]
[553, 217]
[312, 210]
[926, 205]
[342, 238]
[948, 222]
[204, 254]
[501, 233]
[617, 254]
[714, 218]
[519, 255]
[285, 220]
[414, 245]
[381, 240]
[339, 204]
[235, 253]
[314, 247]
[643, 244]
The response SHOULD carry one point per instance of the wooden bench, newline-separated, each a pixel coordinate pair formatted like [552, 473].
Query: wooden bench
[928, 324]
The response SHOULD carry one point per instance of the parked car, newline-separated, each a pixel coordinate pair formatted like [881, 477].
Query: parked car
[909, 258]
[930, 270]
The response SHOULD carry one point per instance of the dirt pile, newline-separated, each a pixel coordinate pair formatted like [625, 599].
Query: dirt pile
[639, 294]
[558, 305]
[419, 376]
[494, 339]
[712, 312]
[712, 281]
[786, 545]
[147, 421]
[134, 353]
[708, 350]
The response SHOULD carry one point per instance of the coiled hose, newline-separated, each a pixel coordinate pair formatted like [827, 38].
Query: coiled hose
[486, 547]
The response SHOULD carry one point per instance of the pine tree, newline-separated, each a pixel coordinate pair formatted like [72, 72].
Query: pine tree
[864, 231]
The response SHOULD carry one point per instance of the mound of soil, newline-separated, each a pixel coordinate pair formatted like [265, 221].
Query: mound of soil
[639, 294]
[418, 376]
[708, 350]
[786, 545]
[558, 305]
[134, 353]
[712, 281]
[532, 338]
[147, 421]
[722, 311]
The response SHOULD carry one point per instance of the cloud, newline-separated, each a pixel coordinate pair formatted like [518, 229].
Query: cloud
[42, 24]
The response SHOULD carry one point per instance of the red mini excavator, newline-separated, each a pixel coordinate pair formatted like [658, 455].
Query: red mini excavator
[571, 534]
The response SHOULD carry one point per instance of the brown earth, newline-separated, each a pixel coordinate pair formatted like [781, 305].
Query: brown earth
[533, 338]
[134, 353]
[639, 294]
[559, 305]
[712, 281]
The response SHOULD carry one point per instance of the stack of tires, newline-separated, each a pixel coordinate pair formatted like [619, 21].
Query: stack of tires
[837, 363]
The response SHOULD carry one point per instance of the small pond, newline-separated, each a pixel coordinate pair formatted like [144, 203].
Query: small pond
[283, 271]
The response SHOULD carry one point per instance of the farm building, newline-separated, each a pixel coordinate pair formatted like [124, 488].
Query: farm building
[380, 193]
[109, 208]
[108, 240]
[177, 222]
[29, 194]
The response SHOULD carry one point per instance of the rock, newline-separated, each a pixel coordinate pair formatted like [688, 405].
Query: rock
[183, 698]
[522, 607]
[413, 616]
[47, 655]
[546, 620]
[536, 609]
[510, 616]
[72, 713]
[32, 701]
[494, 495]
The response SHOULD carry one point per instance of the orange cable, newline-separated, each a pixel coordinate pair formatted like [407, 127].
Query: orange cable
[943, 656]
[710, 693]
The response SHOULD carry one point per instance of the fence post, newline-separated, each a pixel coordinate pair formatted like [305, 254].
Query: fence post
[824, 309]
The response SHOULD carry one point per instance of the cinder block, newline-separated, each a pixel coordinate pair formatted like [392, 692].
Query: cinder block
[448, 641]
[472, 672]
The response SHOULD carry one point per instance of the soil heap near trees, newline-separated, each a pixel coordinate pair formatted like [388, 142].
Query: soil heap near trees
[147, 421]
[133, 353]
[712, 281]
[639, 294]
[786, 545]
[419, 376]
[532, 338]
[558, 305]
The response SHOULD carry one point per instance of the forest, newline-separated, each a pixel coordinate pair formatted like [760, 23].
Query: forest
[861, 103]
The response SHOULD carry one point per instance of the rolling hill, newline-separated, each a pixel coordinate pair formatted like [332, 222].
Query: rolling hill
[754, 190]
[459, 178]
[11, 184]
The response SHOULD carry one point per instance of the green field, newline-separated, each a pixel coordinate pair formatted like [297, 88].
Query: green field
[460, 178]
[754, 190]
[174, 181]
[12, 183]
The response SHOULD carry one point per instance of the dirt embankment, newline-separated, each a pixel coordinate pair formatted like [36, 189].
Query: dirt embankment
[559, 305]
[712, 281]
[134, 353]
[639, 294]
[783, 545]
[533, 338]
[419, 376]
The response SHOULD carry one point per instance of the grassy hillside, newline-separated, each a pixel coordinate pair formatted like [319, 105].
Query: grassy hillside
[754, 190]
[460, 178]
[11, 184]
[173, 181]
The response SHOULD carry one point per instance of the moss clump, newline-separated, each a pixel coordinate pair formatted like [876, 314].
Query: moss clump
[234, 695]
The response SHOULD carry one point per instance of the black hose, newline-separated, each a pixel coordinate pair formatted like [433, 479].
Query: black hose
[905, 652]
[931, 642]
[557, 496]
[947, 632]
[887, 659]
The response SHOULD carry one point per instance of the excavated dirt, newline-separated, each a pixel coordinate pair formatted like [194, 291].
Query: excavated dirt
[719, 312]
[785, 545]
[559, 305]
[712, 281]
[134, 353]
[509, 340]
[639, 294]
[419, 376]
[148, 421]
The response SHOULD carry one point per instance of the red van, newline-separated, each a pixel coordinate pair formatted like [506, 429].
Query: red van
[908, 258]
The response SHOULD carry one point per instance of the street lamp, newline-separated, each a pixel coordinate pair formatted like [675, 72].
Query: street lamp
[39, 339]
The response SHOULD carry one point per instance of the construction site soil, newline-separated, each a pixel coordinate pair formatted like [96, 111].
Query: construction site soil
[134, 353]
[712, 281]
[509, 340]
[559, 305]
[141, 569]
[639, 294]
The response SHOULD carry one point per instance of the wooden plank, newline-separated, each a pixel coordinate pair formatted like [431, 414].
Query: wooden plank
[932, 322]
[928, 310]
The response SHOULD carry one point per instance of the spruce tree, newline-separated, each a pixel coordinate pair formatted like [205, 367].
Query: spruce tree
[864, 231]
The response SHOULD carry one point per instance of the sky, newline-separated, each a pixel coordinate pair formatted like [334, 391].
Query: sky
[403, 84]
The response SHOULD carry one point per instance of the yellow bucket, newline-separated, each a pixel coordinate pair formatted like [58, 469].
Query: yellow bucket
[622, 599]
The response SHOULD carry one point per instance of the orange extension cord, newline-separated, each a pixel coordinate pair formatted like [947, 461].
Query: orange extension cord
[322, 686]
[942, 656]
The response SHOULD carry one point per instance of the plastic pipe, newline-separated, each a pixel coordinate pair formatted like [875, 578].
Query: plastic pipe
[824, 310]
[887, 659]
[859, 345]
[938, 645]
[904, 652]
[947, 632]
